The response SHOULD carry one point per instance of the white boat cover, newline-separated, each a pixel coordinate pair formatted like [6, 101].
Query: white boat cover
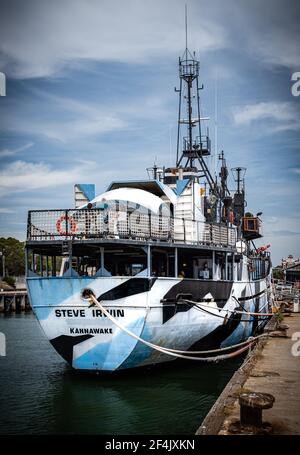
[137, 196]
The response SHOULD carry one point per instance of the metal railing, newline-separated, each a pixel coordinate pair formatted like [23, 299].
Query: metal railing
[97, 223]
[198, 144]
[189, 67]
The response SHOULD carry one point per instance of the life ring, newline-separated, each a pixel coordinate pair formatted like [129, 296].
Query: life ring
[65, 218]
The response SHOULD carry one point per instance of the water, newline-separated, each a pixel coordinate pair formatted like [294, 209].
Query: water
[41, 394]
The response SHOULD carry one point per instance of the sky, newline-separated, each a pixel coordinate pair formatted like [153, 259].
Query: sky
[90, 99]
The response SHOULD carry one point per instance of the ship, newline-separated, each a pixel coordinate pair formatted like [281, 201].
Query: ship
[156, 269]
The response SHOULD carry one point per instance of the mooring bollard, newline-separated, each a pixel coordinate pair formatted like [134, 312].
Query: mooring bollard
[251, 407]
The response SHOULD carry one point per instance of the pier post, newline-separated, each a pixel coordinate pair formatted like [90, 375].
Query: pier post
[13, 303]
[18, 303]
[7, 304]
[176, 262]
[23, 303]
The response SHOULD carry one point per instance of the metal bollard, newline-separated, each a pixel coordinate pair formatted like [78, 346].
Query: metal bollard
[251, 407]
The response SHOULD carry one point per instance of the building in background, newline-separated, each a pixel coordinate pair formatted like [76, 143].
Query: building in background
[292, 274]
[289, 262]
[289, 270]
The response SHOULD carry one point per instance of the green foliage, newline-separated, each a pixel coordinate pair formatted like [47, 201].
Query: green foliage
[279, 317]
[277, 274]
[13, 251]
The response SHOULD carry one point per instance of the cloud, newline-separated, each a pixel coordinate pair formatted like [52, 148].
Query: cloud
[64, 119]
[39, 39]
[272, 219]
[11, 152]
[268, 30]
[20, 176]
[275, 116]
[68, 120]
[66, 131]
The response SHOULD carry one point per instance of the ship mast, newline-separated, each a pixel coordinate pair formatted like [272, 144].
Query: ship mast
[191, 152]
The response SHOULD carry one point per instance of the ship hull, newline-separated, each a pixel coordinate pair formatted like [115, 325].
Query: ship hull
[154, 309]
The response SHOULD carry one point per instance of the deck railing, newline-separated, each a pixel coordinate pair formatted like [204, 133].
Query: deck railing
[97, 223]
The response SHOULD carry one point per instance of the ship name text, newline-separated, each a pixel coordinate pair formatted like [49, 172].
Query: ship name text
[90, 330]
[116, 313]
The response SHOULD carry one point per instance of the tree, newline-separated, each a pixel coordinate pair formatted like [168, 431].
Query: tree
[278, 274]
[13, 250]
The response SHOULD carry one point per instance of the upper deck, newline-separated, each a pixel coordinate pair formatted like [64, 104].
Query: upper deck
[133, 226]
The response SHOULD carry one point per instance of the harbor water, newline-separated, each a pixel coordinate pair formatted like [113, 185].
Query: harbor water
[41, 394]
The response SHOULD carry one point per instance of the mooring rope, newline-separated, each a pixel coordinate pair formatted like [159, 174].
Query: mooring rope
[238, 302]
[203, 310]
[177, 353]
[248, 321]
[202, 305]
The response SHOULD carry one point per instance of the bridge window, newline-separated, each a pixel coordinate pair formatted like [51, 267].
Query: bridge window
[195, 264]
